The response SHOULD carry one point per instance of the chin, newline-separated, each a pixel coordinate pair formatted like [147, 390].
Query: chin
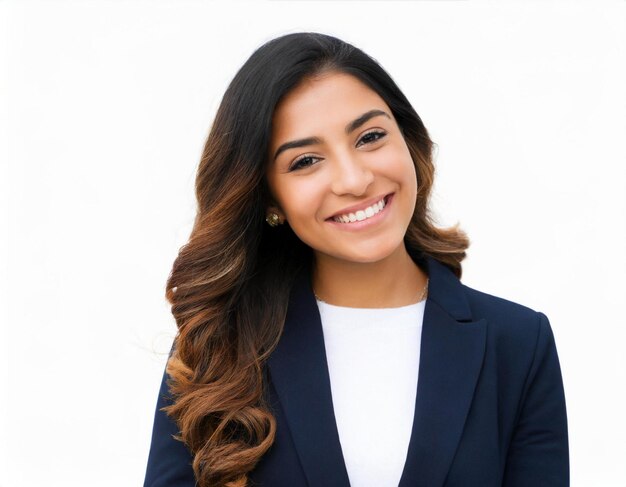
[366, 255]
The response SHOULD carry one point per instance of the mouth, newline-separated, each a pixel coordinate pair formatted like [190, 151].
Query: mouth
[359, 217]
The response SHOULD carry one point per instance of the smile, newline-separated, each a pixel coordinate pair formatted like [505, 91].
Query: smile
[361, 215]
[364, 218]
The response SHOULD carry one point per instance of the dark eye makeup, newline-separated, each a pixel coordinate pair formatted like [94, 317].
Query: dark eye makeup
[367, 138]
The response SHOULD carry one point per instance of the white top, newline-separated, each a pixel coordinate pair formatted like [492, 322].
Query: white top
[373, 361]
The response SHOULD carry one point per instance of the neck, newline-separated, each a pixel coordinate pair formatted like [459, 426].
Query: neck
[391, 282]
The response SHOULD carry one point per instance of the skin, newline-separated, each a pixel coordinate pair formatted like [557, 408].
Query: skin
[369, 268]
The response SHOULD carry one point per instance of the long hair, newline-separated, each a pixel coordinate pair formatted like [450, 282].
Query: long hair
[230, 283]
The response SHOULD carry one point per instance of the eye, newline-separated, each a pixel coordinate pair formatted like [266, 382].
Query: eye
[303, 161]
[372, 136]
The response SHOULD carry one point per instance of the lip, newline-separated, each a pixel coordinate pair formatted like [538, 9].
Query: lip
[360, 206]
[368, 222]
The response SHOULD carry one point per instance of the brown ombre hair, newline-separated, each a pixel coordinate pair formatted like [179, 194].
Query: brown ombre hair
[230, 283]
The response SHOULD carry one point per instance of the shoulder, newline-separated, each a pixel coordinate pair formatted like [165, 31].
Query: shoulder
[504, 319]
[519, 341]
[484, 305]
[510, 324]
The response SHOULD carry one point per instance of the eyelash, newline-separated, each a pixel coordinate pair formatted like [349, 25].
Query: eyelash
[296, 164]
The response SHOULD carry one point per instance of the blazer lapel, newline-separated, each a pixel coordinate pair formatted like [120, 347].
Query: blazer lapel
[452, 350]
[451, 356]
[299, 371]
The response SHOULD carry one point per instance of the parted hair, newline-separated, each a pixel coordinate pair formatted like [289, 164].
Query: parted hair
[229, 284]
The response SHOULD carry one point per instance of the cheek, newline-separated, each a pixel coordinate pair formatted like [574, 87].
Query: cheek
[400, 166]
[301, 200]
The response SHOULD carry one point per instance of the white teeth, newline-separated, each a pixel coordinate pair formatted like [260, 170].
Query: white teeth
[361, 215]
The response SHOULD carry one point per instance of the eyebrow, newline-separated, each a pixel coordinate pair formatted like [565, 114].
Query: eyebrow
[351, 127]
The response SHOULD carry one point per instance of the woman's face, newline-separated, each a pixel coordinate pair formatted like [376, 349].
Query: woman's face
[336, 149]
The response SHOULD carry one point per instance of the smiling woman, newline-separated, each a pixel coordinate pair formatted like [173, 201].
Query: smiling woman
[353, 201]
[325, 337]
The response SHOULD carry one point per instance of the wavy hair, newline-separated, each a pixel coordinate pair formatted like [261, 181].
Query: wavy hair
[229, 285]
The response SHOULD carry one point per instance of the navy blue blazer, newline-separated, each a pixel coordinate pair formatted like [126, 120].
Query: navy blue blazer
[490, 407]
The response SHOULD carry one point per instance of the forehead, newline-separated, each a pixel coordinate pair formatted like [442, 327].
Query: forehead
[321, 103]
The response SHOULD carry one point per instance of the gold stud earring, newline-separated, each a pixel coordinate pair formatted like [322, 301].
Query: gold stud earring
[273, 219]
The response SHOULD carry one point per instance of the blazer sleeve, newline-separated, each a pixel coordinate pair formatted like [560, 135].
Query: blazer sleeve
[169, 460]
[538, 455]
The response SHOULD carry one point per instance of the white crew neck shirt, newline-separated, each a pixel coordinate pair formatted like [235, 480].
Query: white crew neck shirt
[373, 361]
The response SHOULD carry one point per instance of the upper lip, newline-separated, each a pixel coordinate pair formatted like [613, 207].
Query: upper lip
[360, 206]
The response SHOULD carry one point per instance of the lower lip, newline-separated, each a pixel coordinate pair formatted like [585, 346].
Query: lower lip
[368, 222]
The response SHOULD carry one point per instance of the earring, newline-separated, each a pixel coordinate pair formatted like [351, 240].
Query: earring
[273, 219]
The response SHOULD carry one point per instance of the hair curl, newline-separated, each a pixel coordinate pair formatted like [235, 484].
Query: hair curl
[230, 283]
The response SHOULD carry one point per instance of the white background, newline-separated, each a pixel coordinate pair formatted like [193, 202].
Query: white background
[105, 107]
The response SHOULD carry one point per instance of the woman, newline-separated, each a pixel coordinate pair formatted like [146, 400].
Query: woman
[325, 338]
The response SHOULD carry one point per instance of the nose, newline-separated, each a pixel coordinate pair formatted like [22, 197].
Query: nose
[350, 175]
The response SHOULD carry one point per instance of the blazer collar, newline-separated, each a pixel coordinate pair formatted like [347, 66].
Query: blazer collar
[451, 355]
